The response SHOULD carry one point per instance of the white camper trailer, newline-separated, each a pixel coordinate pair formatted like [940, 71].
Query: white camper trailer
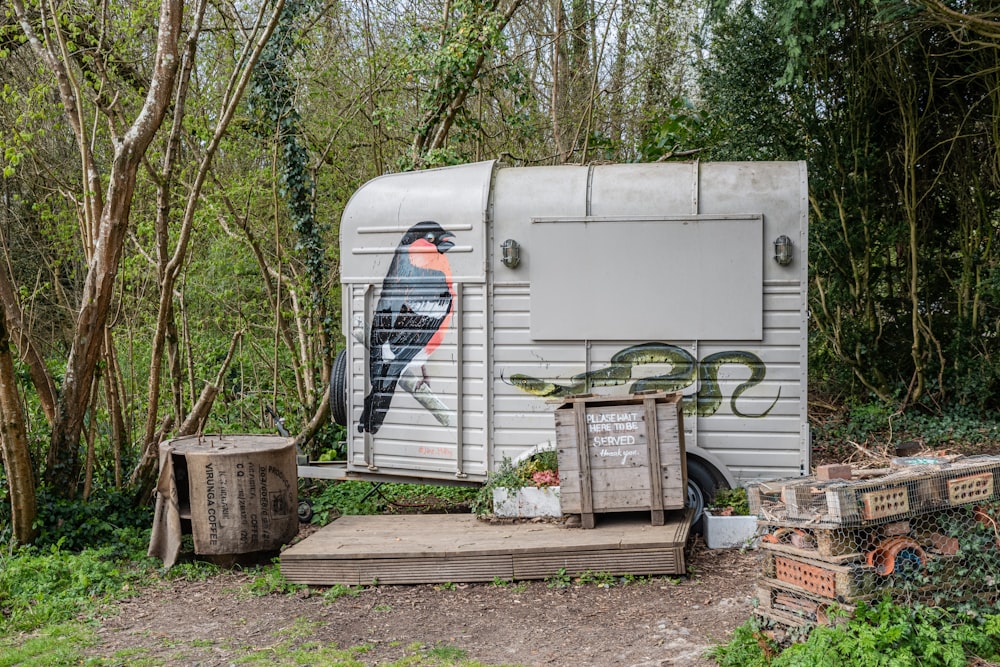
[476, 296]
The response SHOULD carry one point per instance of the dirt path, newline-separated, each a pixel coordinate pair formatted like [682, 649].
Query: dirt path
[657, 622]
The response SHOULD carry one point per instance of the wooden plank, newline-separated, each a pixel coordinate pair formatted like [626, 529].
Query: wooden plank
[765, 498]
[825, 543]
[776, 599]
[322, 572]
[653, 469]
[459, 547]
[812, 553]
[436, 571]
[426, 535]
[399, 570]
[586, 475]
[633, 561]
[673, 464]
[783, 618]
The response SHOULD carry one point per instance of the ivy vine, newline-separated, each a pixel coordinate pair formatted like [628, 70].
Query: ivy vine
[271, 103]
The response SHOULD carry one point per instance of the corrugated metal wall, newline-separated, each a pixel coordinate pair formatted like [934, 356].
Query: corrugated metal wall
[749, 446]
[492, 396]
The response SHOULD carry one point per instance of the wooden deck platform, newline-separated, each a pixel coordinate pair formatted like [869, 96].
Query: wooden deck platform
[439, 548]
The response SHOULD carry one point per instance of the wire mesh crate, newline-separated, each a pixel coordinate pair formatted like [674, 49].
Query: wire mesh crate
[925, 530]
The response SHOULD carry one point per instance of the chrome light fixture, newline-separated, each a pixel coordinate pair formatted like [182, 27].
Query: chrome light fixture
[783, 250]
[510, 253]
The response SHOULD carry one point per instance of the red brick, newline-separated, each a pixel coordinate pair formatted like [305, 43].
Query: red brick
[833, 471]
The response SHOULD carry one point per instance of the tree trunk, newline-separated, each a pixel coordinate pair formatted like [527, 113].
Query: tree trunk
[14, 445]
[112, 395]
[63, 461]
[30, 355]
[143, 474]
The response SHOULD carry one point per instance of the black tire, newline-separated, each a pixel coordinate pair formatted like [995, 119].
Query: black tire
[338, 389]
[703, 483]
[305, 511]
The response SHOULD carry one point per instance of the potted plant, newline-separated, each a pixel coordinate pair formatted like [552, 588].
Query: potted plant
[727, 522]
[526, 489]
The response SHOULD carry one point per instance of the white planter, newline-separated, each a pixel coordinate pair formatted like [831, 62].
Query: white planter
[728, 532]
[527, 502]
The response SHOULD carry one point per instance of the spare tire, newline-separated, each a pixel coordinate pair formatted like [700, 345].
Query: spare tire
[338, 389]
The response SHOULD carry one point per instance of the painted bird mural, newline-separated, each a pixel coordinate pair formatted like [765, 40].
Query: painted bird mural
[412, 315]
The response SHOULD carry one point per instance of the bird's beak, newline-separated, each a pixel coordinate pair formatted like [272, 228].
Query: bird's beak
[445, 243]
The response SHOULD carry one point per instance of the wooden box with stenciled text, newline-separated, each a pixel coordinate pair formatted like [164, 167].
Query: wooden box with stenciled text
[621, 454]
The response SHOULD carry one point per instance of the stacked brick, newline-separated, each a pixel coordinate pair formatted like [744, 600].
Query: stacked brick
[843, 535]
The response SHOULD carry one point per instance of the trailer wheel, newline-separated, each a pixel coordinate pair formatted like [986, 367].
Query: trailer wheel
[305, 511]
[703, 483]
[338, 389]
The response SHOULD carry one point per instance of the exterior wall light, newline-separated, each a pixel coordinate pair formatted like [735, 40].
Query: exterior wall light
[510, 253]
[783, 250]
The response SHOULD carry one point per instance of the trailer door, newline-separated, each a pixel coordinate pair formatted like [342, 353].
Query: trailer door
[415, 294]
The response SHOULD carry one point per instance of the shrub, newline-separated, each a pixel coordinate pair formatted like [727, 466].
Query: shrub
[77, 524]
[881, 634]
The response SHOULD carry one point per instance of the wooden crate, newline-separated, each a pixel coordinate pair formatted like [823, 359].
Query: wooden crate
[973, 483]
[842, 582]
[797, 608]
[766, 498]
[831, 544]
[619, 454]
[851, 503]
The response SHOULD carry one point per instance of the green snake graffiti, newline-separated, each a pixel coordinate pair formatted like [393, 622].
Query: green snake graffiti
[683, 368]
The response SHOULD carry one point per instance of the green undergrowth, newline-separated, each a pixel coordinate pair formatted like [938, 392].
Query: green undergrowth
[879, 427]
[268, 580]
[100, 521]
[732, 502]
[47, 586]
[299, 647]
[883, 634]
[353, 498]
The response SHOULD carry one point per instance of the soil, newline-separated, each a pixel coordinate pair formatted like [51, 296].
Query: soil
[654, 622]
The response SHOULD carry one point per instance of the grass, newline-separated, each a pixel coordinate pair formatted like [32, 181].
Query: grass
[65, 645]
[269, 580]
[133, 657]
[52, 646]
[338, 591]
[41, 588]
[559, 580]
[289, 652]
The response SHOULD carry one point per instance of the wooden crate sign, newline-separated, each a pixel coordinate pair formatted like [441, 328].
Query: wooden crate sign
[620, 454]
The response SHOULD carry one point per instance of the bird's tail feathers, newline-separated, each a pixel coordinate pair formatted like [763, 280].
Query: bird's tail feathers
[377, 404]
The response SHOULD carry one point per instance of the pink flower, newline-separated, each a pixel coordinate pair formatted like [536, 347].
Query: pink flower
[545, 478]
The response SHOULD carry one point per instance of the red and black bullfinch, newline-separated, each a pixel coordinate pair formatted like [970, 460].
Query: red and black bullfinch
[412, 315]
